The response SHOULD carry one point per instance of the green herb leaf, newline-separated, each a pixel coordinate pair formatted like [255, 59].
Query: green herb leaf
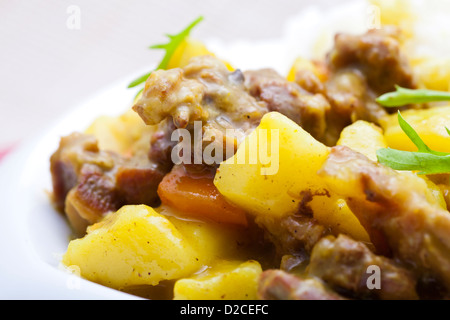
[425, 163]
[425, 160]
[170, 47]
[404, 96]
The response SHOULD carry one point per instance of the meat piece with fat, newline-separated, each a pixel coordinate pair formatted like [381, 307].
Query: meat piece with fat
[88, 182]
[294, 234]
[377, 54]
[66, 162]
[204, 91]
[306, 109]
[345, 264]
[280, 285]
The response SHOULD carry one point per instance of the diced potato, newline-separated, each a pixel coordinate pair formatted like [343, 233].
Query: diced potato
[445, 191]
[270, 188]
[133, 246]
[305, 64]
[429, 123]
[230, 280]
[119, 133]
[212, 241]
[334, 212]
[274, 184]
[434, 194]
[363, 137]
[188, 49]
[433, 73]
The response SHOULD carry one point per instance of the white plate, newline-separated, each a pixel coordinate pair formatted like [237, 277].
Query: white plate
[33, 235]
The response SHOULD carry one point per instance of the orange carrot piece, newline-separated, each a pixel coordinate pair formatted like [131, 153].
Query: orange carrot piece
[195, 195]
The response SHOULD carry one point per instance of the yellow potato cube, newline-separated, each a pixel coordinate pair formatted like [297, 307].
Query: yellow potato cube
[269, 188]
[334, 212]
[275, 167]
[429, 123]
[188, 49]
[305, 64]
[434, 193]
[229, 280]
[133, 246]
[211, 240]
[363, 137]
[119, 133]
[433, 73]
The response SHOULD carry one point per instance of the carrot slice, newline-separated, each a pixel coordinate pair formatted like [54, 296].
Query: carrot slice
[194, 194]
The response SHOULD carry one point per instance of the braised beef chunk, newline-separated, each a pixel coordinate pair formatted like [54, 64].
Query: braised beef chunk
[161, 144]
[280, 285]
[344, 263]
[351, 98]
[66, 162]
[306, 109]
[93, 197]
[205, 91]
[310, 81]
[294, 234]
[393, 206]
[88, 182]
[361, 67]
[377, 55]
[138, 184]
[64, 178]
[97, 190]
